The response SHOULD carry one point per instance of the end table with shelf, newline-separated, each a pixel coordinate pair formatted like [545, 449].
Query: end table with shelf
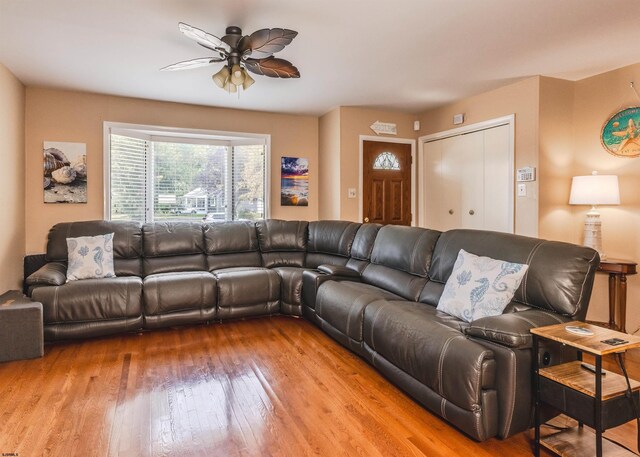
[618, 270]
[595, 399]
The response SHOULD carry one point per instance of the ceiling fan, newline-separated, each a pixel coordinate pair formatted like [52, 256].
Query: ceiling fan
[241, 53]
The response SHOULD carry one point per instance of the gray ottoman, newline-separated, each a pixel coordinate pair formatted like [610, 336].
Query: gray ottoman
[21, 334]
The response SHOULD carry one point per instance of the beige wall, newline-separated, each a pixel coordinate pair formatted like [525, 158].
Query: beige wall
[353, 123]
[556, 161]
[329, 165]
[56, 115]
[12, 228]
[595, 100]
[521, 99]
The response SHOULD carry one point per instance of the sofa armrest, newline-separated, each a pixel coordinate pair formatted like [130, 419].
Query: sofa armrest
[51, 274]
[313, 279]
[339, 270]
[513, 329]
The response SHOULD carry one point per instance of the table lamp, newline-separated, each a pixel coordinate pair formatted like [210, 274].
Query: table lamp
[594, 190]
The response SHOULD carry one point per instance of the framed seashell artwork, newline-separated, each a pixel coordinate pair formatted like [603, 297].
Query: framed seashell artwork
[65, 172]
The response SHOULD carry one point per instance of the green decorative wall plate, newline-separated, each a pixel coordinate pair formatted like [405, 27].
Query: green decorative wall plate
[620, 135]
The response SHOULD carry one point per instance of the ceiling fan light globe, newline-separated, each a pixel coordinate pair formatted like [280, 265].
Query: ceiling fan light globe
[237, 75]
[230, 87]
[248, 81]
[222, 77]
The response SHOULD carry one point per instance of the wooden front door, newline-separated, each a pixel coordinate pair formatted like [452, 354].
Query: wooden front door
[386, 189]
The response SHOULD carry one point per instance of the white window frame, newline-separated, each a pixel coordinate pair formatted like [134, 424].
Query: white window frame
[153, 133]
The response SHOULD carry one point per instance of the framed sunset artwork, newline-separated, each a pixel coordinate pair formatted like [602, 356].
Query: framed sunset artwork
[294, 181]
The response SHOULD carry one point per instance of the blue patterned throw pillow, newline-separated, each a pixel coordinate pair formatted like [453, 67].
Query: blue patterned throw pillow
[90, 257]
[480, 286]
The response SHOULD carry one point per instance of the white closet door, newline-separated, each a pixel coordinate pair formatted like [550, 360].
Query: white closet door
[469, 159]
[468, 181]
[442, 190]
[498, 180]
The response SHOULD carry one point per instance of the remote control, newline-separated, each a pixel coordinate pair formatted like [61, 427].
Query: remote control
[614, 341]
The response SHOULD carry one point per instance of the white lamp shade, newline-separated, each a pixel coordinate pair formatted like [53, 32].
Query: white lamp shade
[595, 190]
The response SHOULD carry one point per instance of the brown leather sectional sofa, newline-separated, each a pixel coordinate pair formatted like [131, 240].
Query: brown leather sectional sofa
[373, 289]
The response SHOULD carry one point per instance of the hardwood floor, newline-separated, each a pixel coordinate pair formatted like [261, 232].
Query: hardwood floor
[273, 386]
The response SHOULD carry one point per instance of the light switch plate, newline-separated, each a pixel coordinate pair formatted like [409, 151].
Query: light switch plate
[351, 192]
[522, 190]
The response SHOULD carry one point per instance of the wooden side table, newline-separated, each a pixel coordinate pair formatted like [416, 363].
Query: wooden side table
[618, 271]
[595, 399]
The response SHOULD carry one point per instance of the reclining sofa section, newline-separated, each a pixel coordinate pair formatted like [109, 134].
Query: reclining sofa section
[373, 289]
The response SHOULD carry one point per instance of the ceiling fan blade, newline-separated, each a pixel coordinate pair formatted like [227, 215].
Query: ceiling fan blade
[203, 38]
[266, 42]
[193, 63]
[272, 67]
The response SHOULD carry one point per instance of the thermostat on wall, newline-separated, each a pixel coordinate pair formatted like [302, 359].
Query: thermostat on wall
[526, 174]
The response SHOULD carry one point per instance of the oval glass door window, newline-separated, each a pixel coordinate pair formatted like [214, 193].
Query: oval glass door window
[386, 161]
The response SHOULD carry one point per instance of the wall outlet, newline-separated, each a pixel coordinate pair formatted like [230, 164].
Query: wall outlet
[351, 192]
[522, 190]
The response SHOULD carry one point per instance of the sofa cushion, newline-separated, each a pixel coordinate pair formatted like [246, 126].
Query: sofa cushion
[90, 257]
[173, 246]
[440, 357]
[244, 292]
[330, 242]
[400, 260]
[480, 286]
[363, 246]
[560, 275]
[363, 241]
[172, 238]
[231, 244]
[166, 293]
[290, 289]
[127, 242]
[91, 300]
[342, 304]
[282, 243]
[407, 249]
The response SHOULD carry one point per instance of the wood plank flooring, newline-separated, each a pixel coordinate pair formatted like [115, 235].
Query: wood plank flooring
[263, 387]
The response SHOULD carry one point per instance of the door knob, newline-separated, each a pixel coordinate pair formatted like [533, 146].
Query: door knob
[450, 211]
[366, 219]
[472, 212]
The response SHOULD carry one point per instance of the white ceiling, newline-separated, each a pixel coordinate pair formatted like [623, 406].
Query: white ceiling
[405, 55]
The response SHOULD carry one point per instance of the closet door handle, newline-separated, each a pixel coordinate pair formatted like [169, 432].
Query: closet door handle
[472, 212]
[450, 211]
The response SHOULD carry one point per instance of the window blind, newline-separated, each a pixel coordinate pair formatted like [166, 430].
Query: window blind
[128, 165]
[159, 180]
[248, 182]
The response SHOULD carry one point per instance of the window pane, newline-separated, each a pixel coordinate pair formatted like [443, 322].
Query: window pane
[186, 180]
[128, 178]
[248, 179]
[189, 181]
[386, 161]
